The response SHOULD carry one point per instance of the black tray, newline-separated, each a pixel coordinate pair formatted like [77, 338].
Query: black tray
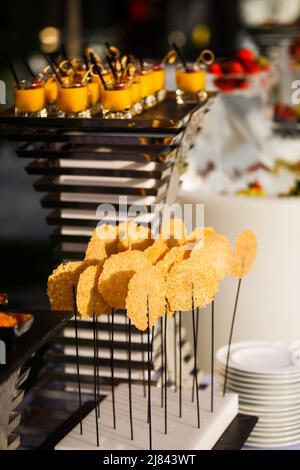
[46, 324]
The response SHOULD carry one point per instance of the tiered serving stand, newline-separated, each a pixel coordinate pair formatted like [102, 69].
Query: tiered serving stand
[81, 164]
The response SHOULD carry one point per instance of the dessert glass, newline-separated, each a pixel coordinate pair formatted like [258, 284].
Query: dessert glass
[159, 81]
[137, 106]
[30, 100]
[73, 100]
[190, 83]
[117, 101]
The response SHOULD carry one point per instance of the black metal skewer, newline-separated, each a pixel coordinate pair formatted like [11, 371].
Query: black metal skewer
[13, 71]
[95, 381]
[195, 362]
[129, 379]
[112, 365]
[166, 374]
[77, 358]
[28, 68]
[230, 336]
[162, 361]
[212, 356]
[180, 365]
[175, 353]
[143, 362]
[197, 335]
[98, 365]
[149, 378]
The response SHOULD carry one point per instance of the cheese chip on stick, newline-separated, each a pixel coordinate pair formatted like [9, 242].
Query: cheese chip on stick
[116, 274]
[61, 283]
[174, 232]
[157, 251]
[245, 249]
[175, 255]
[188, 279]
[89, 300]
[133, 237]
[216, 252]
[148, 284]
[199, 234]
[96, 249]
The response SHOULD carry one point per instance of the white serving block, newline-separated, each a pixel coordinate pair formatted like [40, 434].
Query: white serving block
[183, 433]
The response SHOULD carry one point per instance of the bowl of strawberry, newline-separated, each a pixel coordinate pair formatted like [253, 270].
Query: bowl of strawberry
[237, 73]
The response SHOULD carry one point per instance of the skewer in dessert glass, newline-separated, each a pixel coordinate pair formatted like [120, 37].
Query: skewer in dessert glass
[191, 77]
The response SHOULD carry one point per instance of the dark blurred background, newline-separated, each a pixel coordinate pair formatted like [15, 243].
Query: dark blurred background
[144, 27]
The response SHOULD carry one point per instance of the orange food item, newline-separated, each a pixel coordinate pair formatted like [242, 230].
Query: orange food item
[191, 81]
[7, 321]
[117, 100]
[73, 99]
[30, 100]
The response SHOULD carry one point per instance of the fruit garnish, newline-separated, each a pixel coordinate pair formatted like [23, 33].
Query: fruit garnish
[215, 69]
[245, 55]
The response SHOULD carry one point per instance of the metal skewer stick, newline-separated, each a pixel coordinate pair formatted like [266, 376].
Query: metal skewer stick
[212, 355]
[230, 336]
[180, 364]
[197, 335]
[149, 378]
[195, 361]
[166, 374]
[95, 382]
[129, 379]
[112, 366]
[77, 358]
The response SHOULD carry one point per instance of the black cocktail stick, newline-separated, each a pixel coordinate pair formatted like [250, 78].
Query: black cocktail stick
[195, 361]
[151, 359]
[212, 356]
[166, 374]
[175, 352]
[143, 361]
[180, 55]
[13, 71]
[28, 67]
[129, 378]
[64, 51]
[230, 336]
[95, 382]
[113, 71]
[149, 378]
[162, 361]
[197, 334]
[180, 365]
[94, 62]
[53, 69]
[77, 358]
[112, 366]
[98, 365]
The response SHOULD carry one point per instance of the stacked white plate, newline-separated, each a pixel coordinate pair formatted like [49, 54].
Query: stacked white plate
[267, 378]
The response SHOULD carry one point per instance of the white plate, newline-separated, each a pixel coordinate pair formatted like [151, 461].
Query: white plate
[259, 385]
[273, 443]
[265, 379]
[260, 395]
[259, 410]
[259, 357]
[261, 390]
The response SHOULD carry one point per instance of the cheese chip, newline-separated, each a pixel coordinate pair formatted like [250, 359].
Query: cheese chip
[133, 237]
[61, 283]
[175, 255]
[188, 280]
[174, 232]
[116, 274]
[216, 252]
[89, 301]
[156, 251]
[245, 249]
[146, 285]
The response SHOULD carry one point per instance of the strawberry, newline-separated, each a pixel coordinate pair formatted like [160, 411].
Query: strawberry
[245, 55]
[236, 68]
[215, 69]
[252, 68]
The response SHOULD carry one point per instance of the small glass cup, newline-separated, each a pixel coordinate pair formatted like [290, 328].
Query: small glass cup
[159, 81]
[73, 100]
[30, 100]
[147, 87]
[191, 83]
[117, 101]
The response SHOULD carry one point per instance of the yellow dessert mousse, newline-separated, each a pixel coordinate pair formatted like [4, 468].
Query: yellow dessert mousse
[94, 94]
[29, 98]
[190, 82]
[147, 87]
[117, 100]
[73, 100]
[136, 94]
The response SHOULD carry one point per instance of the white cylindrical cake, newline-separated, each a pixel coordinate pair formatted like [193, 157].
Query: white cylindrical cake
[269, 305]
